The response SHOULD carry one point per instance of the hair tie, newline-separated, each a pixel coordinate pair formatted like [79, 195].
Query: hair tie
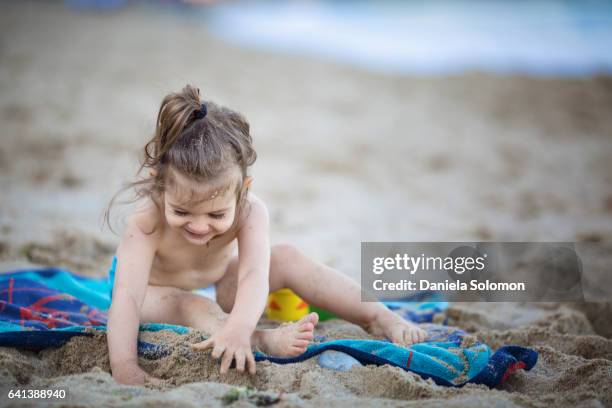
[200, 114]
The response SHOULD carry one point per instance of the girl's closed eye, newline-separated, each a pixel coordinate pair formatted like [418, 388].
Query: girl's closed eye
[217, 216]
[180, 213]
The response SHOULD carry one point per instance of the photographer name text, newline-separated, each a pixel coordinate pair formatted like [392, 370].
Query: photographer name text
[457, 265]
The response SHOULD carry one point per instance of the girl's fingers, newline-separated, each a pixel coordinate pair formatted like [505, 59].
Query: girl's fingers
[154, 380]
[203, 345]
[217, 351]
[250, 362]
[240, 361]
[226, 361]
[244, 360]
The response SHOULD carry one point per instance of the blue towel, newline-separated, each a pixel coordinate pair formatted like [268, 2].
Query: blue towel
[46, 307]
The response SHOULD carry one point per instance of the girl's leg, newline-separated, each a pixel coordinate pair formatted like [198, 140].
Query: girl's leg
[328, 289]
[176, 306]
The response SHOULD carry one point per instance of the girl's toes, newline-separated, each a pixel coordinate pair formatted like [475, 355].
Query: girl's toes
[307, 335]
[311, 318]
[307, 323]
[314, 318]
[296, 351]
[301, 343]
[306, 327]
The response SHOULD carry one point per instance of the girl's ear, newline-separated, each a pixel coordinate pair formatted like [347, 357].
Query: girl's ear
[153, 173]
[247, 183]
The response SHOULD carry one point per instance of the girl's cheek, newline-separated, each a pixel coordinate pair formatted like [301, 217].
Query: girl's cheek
[227, 223]
[173, 219]
[223, 225]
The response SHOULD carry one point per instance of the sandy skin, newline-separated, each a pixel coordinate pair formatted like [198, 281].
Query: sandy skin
[288, 340]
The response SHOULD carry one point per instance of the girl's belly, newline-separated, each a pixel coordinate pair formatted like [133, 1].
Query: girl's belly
[188, 279]
[192, 275]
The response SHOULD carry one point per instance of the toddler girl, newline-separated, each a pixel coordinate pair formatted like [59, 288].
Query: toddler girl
[198, 225]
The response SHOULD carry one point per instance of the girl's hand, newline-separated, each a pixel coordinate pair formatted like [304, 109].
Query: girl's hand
[132, 374]
[233, 342]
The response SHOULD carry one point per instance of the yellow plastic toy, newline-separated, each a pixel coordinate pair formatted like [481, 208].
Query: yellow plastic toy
[286, 306]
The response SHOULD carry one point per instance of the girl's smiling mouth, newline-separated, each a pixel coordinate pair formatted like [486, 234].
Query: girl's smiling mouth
[197, 236]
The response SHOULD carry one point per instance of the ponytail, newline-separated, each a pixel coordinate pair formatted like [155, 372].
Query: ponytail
[177, 112]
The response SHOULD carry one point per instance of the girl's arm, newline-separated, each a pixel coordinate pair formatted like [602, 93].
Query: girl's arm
[253, 267]
[134, 259]
[233, 341]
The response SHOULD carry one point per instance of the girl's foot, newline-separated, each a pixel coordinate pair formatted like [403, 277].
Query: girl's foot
[396, 329]
[288, 340]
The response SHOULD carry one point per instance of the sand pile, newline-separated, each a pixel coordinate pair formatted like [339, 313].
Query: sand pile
[573, 368]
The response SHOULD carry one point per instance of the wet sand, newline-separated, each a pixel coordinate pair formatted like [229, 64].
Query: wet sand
[344, 156]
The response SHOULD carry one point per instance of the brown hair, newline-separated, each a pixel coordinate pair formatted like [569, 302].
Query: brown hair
[198, 139]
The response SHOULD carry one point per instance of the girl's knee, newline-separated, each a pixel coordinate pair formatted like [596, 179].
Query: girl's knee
[284, 253]
[283, 259]
[162, 305]
[190, 302]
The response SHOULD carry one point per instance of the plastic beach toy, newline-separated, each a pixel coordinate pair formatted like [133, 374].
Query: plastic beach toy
[286, 306]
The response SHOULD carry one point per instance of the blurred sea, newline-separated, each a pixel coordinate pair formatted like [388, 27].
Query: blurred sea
[439, 37]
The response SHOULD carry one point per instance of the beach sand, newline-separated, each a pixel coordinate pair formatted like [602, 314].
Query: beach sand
[344, 156]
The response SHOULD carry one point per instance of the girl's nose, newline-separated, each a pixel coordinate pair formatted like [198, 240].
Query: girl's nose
[198, 229]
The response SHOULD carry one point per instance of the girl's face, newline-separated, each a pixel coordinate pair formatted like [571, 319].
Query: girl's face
[200, 212]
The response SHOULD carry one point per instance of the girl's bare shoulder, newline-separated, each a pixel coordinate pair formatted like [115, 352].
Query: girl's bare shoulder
[147, 218]
[143, 232]
[256, 211]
